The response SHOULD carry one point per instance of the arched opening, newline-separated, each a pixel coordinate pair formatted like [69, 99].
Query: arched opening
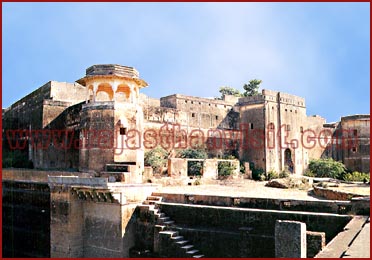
[288, 163]
[123, 93]
[104, 92]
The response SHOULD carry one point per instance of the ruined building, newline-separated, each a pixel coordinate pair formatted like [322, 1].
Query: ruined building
[85, 196]
[102, 122]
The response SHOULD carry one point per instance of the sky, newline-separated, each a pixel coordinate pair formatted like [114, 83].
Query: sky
[319, 51]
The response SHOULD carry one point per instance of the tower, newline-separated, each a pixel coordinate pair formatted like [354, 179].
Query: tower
[111, 126]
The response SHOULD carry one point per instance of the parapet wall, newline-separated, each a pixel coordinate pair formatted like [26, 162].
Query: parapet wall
[325, 206]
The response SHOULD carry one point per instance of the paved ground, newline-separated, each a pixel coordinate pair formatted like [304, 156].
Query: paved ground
[246, 188]
[360, 247]
[360, 188]
[250, 188]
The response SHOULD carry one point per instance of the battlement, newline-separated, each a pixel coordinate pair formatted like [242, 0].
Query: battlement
[355, 117]
[112, 69]
[273, 96]
[171, 101]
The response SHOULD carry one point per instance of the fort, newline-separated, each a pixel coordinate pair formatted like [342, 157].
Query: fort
[87, 193]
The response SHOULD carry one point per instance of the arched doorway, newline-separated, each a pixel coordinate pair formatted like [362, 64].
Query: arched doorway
[288, 163]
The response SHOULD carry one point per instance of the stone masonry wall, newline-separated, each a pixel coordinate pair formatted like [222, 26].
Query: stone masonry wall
[235, 218]
[25, 219]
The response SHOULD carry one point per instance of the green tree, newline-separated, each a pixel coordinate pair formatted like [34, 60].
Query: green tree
[193, 153]
[327, 168]
[251, 89]
[229, 91]
[156, 158]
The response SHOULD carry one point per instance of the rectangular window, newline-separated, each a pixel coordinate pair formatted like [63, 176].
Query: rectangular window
[288, 128]
[355, 132]
[123, 130]
[251, 125]
[193, 115]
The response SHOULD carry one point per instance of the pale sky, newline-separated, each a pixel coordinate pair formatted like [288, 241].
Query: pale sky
[319, 51]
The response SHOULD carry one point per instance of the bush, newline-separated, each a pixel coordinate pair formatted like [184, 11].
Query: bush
[225, 169]
[193, 153]
[156, 158]
[357, 176]
[284, 174]
[272, 174]
[257, 173]
[194, 168]
[309, 173]
[327, 168]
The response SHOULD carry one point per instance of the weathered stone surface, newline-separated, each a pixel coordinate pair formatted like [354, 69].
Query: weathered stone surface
[290, 239]
[332, 194]
[278, 183]
[235, 218]
[315, 242]
[325, 206]
[25, 219]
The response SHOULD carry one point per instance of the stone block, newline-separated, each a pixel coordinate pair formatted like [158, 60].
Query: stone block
[290, 239]
[315, 242]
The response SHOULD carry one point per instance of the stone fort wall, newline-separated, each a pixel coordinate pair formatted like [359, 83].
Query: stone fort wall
[267, 129]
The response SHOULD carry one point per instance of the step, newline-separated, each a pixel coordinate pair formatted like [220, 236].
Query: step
[177, 238]
[164, 219]
[156, 198]
[155, 211]
[153, 208]
[149, 202]
[160, 227]
[187, 247]
[143, 206]
[198, 256]
[168, 222]
[192, 252]
[169, 233]
[182, 242]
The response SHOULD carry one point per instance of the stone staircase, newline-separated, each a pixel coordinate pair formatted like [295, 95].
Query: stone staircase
[119, 172]
[167, 241]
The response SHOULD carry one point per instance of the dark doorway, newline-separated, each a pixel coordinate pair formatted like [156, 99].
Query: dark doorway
[288, 163]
